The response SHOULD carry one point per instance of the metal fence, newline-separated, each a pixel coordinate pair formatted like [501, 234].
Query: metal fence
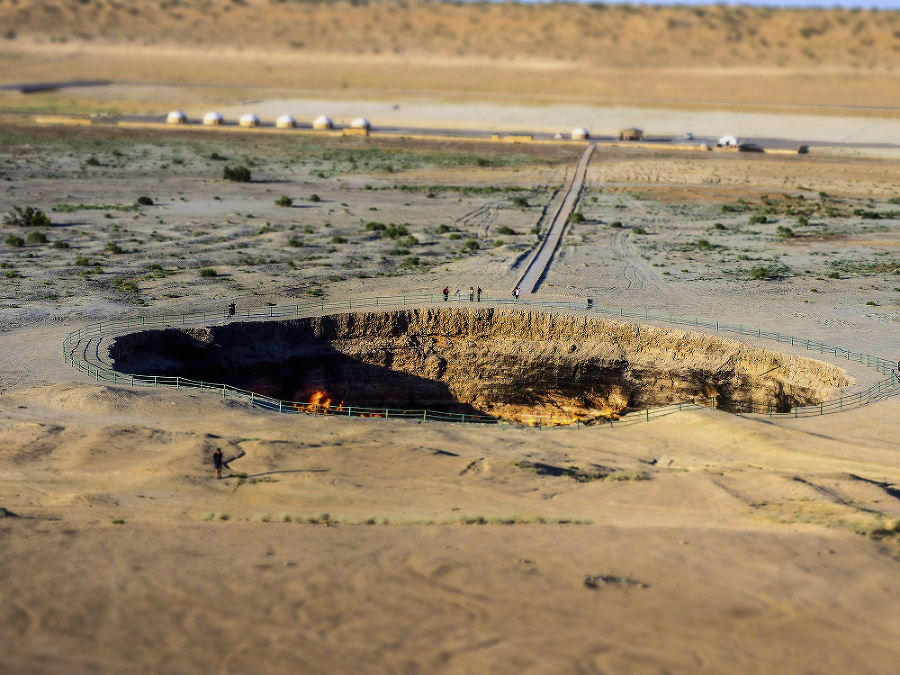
[92, 334]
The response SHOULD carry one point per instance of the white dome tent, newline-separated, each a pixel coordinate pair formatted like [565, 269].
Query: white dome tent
[580, 134]
[212, 119]
[249, 120]
[360, 123]
[323, 123]
[285, 122]
[176, 117]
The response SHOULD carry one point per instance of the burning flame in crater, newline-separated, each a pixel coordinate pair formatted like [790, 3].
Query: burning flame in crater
[319, 403]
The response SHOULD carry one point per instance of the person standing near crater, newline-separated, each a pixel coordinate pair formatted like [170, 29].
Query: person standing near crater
[478, 293]
[471, 294]
[218, 462]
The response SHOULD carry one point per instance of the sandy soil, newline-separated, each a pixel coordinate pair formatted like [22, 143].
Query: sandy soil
[704, 543]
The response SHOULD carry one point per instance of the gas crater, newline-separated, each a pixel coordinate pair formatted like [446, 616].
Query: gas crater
[500, 362]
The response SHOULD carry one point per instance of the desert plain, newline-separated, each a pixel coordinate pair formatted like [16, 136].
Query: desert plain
[700, 541]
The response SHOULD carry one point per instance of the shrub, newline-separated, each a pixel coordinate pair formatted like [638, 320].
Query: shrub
[834, 275]
[295, 243]
[506, 230]
[718, 226]
[758, 219]
[337, 239]
[285, 201]
[616, 223]
[759, 273]
[27, 217]
[238, 174]
[441, 228]
[315, 198]
[784, 232]
[60, 244]
[412, 261]
[639, 230]
[37, 237]
[802, 221]
[471, 245]
[208, 272]
[144, 201]
[113, 247]
[454, 236]
[704, 244]
[375, 226]
[92, 161]
[498, 243]
[521, 202]
[396, 231]
[576, 217]
[14, 241]
[81, 261]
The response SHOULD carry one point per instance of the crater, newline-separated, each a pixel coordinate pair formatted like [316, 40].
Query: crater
[500, 362]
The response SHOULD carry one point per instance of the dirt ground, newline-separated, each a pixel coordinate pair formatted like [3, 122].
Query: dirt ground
[696, 542]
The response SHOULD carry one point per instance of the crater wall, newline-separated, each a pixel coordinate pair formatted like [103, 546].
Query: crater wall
[495, 361]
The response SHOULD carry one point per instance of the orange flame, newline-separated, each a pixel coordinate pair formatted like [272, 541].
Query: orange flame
[319, 404]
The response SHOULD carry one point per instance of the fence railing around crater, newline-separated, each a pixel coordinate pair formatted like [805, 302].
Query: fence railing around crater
[83, 337]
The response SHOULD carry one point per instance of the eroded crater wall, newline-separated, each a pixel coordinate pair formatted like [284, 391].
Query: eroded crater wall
[502, 362]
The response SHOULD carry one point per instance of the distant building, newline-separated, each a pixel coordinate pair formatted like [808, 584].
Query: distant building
[632, 134]
[323, 123]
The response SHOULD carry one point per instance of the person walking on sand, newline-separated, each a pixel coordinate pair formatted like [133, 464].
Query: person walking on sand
[446, 293]
[478, 293]
[471, 294]
[516, 293]
[218, 461]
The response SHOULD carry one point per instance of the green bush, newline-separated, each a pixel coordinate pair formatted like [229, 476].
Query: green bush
[454, 236]
[758, 219]
[718, 226]
[506, 230]
[60, 244]
[315, 198]
[704, 244]
[471, 245]
[337, 239]
[498, 243]
[284, 201]
[37, 237]
[576, 217]
[81, 261]
[442, 229]
[208, 272]
[144, 201]
[802, 221]
[295, 243]
[14, 241]
[396, 231]
[834, 275]
[237, 174]
[784, 232]
[639, 230]
[521, 202]
[113, 247]
[28, 217]
[759, 273]
[616, 223]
